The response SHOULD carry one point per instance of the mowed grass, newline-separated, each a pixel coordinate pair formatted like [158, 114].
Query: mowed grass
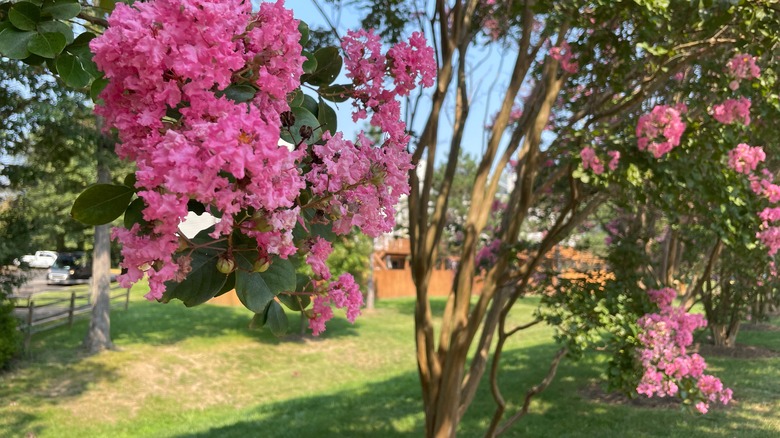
[201, 372]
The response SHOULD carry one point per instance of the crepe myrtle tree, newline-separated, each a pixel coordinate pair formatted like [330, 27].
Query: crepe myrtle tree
[594, 76]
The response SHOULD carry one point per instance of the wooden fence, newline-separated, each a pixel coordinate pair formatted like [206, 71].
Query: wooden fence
[45, 310]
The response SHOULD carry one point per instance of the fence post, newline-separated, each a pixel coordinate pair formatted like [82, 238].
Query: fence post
[127, 298]
[70, 311]
[28, 335]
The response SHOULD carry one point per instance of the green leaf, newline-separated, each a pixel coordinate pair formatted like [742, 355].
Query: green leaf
[323, 230]
[61, 9]
[70, 70]
[328, 66]
[229, 285]
[107, 5]
[47, 45]
[310, 104]
[327, 117]
[295, 98]
[80, 48]
[203, 282]
[13, 43]
[303, 117]
[34, 60]
[24, 15]
[253, 291]
[130, 180]
[310, 65]
[82, 41]
[276, 319]
[57, 27]
[295, 302]
[101, 203]
[238, 92]
[97, 86]
[335, 93]
[134, 213]
[280, 276]
[303, 28]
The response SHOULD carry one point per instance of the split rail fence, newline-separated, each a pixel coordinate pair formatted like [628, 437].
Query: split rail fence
[45, 310]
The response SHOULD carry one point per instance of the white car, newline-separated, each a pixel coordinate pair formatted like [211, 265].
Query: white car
[41, 259]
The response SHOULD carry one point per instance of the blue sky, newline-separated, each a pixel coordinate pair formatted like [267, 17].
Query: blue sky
[487, 67]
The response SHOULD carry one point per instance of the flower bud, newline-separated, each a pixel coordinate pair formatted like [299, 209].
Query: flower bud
[306, 132]
[183, 244]
[261, 265]
[261, 222]
[225, 264]
[288, 119]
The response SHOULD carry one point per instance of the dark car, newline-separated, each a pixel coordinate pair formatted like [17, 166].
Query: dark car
[70, 268]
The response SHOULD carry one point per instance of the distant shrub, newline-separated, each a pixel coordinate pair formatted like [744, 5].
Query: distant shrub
[9, 335]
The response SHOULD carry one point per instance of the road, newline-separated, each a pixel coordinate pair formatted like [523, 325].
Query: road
[37, 283]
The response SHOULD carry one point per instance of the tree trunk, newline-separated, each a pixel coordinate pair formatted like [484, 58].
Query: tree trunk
[724, 335]
[99, 335]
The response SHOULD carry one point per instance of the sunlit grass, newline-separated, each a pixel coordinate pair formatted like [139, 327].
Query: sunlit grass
[196, 372]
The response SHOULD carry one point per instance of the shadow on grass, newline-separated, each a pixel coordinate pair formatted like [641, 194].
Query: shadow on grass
[49, 382]
[153, 323]
[392, 408]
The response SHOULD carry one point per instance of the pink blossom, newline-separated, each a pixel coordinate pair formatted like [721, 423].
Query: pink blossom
[664, 338]
[563, 54]
[590, 160]
[320, 250]
[342, 293]
[733, 110]
[167, 61]
[743, 66]
[614, 159]
[660, 130]
[745, 158]
[488, 254]
[663, 297]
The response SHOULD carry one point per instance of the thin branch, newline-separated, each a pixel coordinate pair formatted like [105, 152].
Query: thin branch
[535, 390]
[97, 21]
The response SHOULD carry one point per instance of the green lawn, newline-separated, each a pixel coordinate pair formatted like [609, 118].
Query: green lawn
[200, 373]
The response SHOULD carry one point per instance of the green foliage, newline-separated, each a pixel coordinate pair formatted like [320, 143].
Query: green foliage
[598, 311]
[102, 203]
[36, 31]
[352, 254]
[9, 335]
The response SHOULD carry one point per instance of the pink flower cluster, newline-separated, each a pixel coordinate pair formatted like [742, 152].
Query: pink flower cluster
[409, 65]
[740, 67]
[591, 161]
[745, 158]
[170, 56]
[769, 234]
[320, 250]
[488, 254]
[563, 54]
[660, 130]
[668, 367]
[168, 62]
[343, 293]
[733, 110]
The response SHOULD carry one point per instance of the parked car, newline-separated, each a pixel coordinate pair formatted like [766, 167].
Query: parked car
[41, 259]
[70, 268]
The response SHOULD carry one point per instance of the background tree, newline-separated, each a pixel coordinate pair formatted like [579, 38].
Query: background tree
[593, 69]
[57, 34]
